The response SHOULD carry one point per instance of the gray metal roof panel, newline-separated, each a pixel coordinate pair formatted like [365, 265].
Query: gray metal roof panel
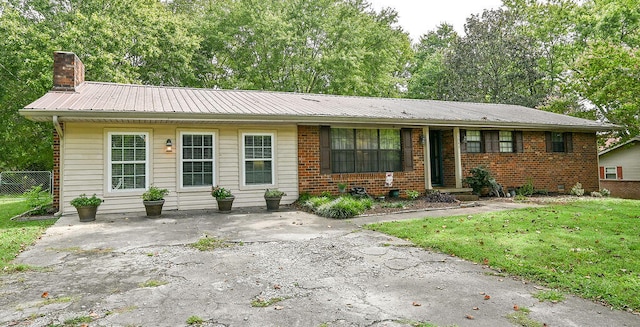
[100, 97]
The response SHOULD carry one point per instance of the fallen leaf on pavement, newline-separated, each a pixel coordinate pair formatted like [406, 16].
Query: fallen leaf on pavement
[516, 307]
[45, 295]
[416, 304]
[470, 317]
[277, 287]
[486, 297]
[476, 308]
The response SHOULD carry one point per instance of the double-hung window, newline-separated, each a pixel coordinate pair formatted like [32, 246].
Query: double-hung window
[128, 161]
[197, 159]
[557, 142]
[258, 158]
[611, 172]
[506, 141]
[474, 141]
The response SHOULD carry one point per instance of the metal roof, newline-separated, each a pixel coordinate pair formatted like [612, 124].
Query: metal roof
[99, 101]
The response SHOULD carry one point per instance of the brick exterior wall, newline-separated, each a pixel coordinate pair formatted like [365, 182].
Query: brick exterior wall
[56, 168]
[553, 172]
[549, 171]
[311, 181]
[622, 189]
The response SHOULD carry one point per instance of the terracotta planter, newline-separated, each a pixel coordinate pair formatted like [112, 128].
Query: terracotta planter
[153, 208]
[224, 205]
[87, 213]
[273, 204]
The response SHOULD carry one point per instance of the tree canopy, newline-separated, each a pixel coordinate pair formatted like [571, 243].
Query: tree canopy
[568, 56]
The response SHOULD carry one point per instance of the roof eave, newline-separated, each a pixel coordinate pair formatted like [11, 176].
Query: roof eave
[67, 115]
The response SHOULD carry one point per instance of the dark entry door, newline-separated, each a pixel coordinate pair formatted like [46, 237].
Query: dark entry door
[435, 148]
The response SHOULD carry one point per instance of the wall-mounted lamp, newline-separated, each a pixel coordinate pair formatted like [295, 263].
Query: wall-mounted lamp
[169, 147]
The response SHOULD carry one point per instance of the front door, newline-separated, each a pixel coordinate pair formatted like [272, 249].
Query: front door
[435, 148]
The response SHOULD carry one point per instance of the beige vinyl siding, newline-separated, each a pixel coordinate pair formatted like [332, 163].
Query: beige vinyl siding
[627, 157]
[85, 166]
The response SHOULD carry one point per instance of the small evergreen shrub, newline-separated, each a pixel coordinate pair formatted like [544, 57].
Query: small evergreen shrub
[596, 194]
[605, 192]
[83, 201]
[412, 194]
[480, 178]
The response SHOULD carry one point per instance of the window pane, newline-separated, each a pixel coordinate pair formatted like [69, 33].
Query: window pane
[473, 136]
[258, 172]
[343, 161]
[257, 147]
[390, 139]
[367, 161]
[367, 138]
[116, 154]
[473, 147]
[342, 139]
[557, 142]
[390, 160]
[506, 141]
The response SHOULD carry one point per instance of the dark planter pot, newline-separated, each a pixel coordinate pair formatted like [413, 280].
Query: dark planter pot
[87, 213]
[224, 205]
[153, 208]
[394, 193]
[273, 204]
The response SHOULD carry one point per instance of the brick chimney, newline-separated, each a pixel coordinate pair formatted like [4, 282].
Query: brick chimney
[68, 71]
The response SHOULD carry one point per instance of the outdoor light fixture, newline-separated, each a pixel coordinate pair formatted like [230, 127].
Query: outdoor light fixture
[169, 146]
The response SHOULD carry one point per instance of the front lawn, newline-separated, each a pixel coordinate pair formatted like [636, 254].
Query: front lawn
[589, 247]
[17, 235]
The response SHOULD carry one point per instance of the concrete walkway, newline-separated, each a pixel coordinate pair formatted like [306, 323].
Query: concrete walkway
[275, 269]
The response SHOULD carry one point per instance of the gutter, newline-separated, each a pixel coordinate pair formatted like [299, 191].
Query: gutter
[56, 124]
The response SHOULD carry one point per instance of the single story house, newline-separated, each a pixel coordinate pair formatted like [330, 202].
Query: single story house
[115, 140]
[620, 169]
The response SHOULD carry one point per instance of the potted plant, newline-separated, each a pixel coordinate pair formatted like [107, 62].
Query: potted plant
[273, 197]
[86, 206]
[223, 197]
[342, 187]
[153, 200]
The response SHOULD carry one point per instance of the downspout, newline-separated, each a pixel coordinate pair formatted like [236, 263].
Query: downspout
[56, 124]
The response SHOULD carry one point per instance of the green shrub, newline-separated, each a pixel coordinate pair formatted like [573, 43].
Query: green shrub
[605, 192]
[304, 197]
[274, 193]
[527, 189]
[340, 208]
[220, 192]
[316, 201]
[38, 200]
[412, 194]
[480, 178]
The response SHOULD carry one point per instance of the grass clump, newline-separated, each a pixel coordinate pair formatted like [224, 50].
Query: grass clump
[153, 283]
[590, 246]
[261, 303]
[77, 321]
[550, 295]
[208, 243]
[15, 236]
[521, 318]
[194, 320]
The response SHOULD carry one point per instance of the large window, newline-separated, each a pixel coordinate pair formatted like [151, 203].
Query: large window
[258, 159]
[365, 150]
[197, 159]
[128, 161]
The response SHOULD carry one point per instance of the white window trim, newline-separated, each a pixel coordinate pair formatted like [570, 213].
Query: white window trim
[615, 171]
[243, 160]
[147, 162]
[179, 149]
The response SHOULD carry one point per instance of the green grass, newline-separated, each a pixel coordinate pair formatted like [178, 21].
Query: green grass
[550, 295]
[261, 303]
[15, 236]
[590, 247]
[208, 243]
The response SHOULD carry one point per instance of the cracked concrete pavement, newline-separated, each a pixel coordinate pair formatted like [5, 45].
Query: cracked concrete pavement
[128, 270]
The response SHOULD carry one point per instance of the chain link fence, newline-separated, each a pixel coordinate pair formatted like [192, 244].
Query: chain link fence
[17, 182]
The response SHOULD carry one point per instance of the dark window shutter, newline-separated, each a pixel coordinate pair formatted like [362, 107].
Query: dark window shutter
[601, 172]
[619, 171]
[463, 138]
[518, 142]
[407, 149]
[491, 141]
[325, 150]
[548, 141]
[568, 142]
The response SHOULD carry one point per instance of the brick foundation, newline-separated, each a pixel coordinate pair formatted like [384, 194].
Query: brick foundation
[622, 189]
[311, 181]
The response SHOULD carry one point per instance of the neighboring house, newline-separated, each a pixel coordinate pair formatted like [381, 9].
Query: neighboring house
[620, 169]
[116, 140]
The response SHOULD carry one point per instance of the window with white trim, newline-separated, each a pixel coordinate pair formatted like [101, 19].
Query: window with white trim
[197, 159]
[257, 150]
[610, 173]
[128, 161]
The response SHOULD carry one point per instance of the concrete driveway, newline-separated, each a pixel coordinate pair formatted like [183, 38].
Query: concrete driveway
[276, 269]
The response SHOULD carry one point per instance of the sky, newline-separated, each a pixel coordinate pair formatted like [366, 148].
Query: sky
[421, 16]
